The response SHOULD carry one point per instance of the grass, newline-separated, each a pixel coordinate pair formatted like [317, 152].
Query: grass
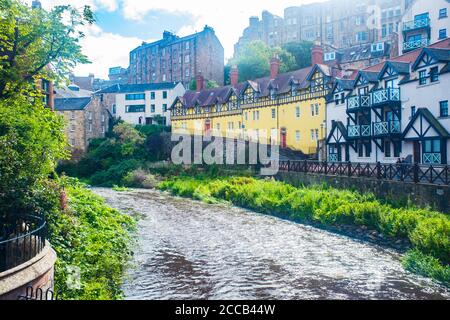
[120, 189]
[427, 231]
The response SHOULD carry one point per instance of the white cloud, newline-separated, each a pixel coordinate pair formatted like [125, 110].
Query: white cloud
[227, 18]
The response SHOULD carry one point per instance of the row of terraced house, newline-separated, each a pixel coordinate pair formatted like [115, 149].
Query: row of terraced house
[395, 109]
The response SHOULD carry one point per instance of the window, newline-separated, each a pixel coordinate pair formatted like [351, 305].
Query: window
[297, 136]
[254, 115]
[413, 111]
[164, 77]
[218, 126]
[114, 109]
[103, 128]
[317, 109]
[187, 45]
[443, 108]
[443, 13]
[186, 58]
[103, 117]
[397, 149]
[72, 141]
[135, 96]
[442, 34]
[317, 134]
[152, 108]
[377, 47]
[90, 127]
[360, 150]
[361, 36]
[297, 112]
[368, 150]
[152, 95]
[187, 73]
[134, 109]
[72, 115]
[434, 74]
[246, 116]
[422, 77]
[312, 135]
[257, 115]
[329, 56]
[72, 128]
[164, 94]
[432, 146]
[164, 107]
[384, 31]
[90, 115]
[312, 110]
[273, 113]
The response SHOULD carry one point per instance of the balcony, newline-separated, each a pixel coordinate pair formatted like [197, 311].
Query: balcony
[358, 103]
[387, 128]
[416, 24]
[384, 97]
[415, 44]
[359, 131]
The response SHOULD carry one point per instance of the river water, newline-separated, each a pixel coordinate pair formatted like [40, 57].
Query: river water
[191, 250]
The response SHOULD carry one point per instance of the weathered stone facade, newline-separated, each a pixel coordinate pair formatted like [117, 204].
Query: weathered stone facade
[175, 59]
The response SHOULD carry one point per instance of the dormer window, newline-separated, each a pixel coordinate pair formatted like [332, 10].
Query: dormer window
[330, 56]
[218, 107]
[377, 47]
[198, 110]
[273, 94]
[293, 90]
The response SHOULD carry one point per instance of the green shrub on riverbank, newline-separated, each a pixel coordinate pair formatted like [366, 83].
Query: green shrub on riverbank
[427, 231]
[91, 236]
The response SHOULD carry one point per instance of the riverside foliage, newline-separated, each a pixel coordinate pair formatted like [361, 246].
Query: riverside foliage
[427, 231]
[90, 237]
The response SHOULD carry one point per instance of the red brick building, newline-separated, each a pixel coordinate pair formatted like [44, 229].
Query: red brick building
[175, 59]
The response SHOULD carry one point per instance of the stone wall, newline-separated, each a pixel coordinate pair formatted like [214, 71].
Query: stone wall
[36, 273]
[422, 195]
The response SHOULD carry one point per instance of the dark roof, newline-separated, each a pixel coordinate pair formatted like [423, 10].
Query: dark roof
[435, 53]
[71, 104]
[128, 88]
[282, 84]
[360, 52]
[337, 125]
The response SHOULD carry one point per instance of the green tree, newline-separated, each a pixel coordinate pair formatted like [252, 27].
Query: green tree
[253, 60]
[301, 51]
[209, 84]
[38, 44]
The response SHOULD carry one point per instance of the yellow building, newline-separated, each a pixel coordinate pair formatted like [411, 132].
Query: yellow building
[287, 109]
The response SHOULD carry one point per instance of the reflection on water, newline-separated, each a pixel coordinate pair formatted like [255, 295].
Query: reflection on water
[191, 250]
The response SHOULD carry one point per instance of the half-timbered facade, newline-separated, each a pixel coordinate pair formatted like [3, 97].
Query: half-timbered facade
[287, 109]
[398, 109]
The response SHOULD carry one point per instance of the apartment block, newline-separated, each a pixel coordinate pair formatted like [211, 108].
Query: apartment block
[175, 59]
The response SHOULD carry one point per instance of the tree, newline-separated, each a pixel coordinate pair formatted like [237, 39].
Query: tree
[301, 51]
[253, 60]
[36, 44]
[209, 84]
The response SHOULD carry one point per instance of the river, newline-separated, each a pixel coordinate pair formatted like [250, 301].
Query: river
[190, 250]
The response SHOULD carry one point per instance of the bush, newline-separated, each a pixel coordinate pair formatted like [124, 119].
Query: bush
[426, 265]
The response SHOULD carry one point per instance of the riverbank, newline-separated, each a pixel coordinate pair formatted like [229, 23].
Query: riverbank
[92, 241]
[426, 232]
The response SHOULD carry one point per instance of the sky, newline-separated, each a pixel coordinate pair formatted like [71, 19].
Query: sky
[123, 25]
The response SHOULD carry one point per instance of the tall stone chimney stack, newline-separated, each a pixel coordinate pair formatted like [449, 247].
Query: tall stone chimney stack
[234, 76]
[274, 67]
[317, 54]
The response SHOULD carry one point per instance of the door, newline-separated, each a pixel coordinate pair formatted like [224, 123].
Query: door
[416, 152]
[283, 138]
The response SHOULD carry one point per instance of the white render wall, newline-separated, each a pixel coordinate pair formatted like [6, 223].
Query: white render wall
[432, 7]
[133, 117]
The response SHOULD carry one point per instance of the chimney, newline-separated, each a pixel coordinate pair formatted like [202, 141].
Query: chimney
[316, 54]
[234, 76]
[274, 67]
[200, 82]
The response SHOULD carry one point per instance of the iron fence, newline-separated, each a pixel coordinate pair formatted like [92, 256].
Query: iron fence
[415, 173]
[21, 240]
[39, 294]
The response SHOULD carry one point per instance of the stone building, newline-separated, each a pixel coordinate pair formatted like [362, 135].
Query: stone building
[175, 59]
[85, 116]
[339, 23]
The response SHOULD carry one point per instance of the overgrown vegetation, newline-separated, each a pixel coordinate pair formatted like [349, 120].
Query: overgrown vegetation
[109, 161]
[87, 235]
[427, 231]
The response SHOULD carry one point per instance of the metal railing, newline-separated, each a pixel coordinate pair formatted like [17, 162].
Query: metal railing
[416, 24]
[21, 241]
[382, 96]
[386, 128]
[415, 173]
[415, 44]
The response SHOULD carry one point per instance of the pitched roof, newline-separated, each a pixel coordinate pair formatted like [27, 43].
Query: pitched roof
[71, 104]
[72, 91]
[361, 52]
[282, 84]
[129, 88]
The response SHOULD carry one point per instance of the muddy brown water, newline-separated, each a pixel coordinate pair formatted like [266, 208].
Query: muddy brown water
[191, 250]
